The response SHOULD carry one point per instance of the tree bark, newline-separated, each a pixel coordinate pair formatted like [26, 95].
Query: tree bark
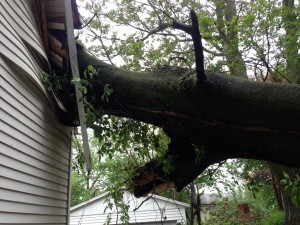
[292, 73]
[226, 21]
[277, 190]
[292, 212]
[291, 28]
[230, 117]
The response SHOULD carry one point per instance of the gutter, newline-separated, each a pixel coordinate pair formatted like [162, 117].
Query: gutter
[75, 72]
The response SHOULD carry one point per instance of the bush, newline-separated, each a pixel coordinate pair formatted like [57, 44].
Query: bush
[273, 217]
[222, 212]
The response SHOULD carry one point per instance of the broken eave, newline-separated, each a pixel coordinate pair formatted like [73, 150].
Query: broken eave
[53, 26]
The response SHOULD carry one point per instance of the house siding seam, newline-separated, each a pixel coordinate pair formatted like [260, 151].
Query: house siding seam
[35, 148]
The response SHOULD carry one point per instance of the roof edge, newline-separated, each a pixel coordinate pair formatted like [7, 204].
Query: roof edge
[183, 204]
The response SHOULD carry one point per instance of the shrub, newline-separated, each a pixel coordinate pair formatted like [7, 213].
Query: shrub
[273, 217]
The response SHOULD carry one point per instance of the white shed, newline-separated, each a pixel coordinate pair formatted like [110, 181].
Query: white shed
[144, 210]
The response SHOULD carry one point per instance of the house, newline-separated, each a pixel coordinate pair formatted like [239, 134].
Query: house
[149, 210]
[35, 146]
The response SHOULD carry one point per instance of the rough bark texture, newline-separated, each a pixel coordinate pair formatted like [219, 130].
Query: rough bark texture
[291, 53]
[226, 20]
[230, 117]
[292, 212]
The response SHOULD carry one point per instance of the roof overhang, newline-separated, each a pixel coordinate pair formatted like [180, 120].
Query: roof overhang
[53, 27]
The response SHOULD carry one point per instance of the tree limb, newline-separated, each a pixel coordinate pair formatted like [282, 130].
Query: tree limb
[161, 27]
[193, 30]
[230, 117]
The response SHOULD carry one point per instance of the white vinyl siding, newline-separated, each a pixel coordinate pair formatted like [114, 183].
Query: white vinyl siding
[156, 210]
[22, 19]
[35, 147]
[14, 40]
[34, 155]
[142, 217]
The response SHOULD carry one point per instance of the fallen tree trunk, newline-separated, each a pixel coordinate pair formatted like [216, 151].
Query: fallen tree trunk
[230, 117]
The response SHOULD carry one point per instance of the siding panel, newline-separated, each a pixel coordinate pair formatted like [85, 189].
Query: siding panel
[20, 29]
[31, 189]
[18, 176]
[28, 199]
[33, 109]
[24, 24]
[19, 165]
[17, 207]
[6, 218]
[43, 155]
[16, 51]
[138, 217]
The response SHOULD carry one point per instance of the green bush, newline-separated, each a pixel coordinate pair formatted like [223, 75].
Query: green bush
[222, 212]
[273, 217]
[262, 212]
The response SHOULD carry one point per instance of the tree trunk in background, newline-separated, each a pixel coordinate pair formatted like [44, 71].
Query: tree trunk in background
[226, 21]
[229, 39]
[292, 29]
[277, 191]
[292, 212]
[193, 203]
[198, 208]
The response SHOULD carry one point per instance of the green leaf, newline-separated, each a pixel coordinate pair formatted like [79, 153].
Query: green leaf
[286, 175]
[283, 182]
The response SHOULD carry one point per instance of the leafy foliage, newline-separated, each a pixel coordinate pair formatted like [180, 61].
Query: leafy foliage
[118, 147]
[53, 82]
[261, 212]
[223, 212]
[273, 217]
[139, 34]
[292, 186]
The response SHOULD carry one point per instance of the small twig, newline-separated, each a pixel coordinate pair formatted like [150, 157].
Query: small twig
[155, 10]
[212, 172]
[149, 197]
[160, 28]
[162, 11]
[89, 21]
[99, 37]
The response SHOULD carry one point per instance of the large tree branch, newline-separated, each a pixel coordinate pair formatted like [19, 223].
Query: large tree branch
[194, 31]
[230, 117]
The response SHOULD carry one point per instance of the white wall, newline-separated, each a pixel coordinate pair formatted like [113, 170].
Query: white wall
[155, 210]
[34, 147]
